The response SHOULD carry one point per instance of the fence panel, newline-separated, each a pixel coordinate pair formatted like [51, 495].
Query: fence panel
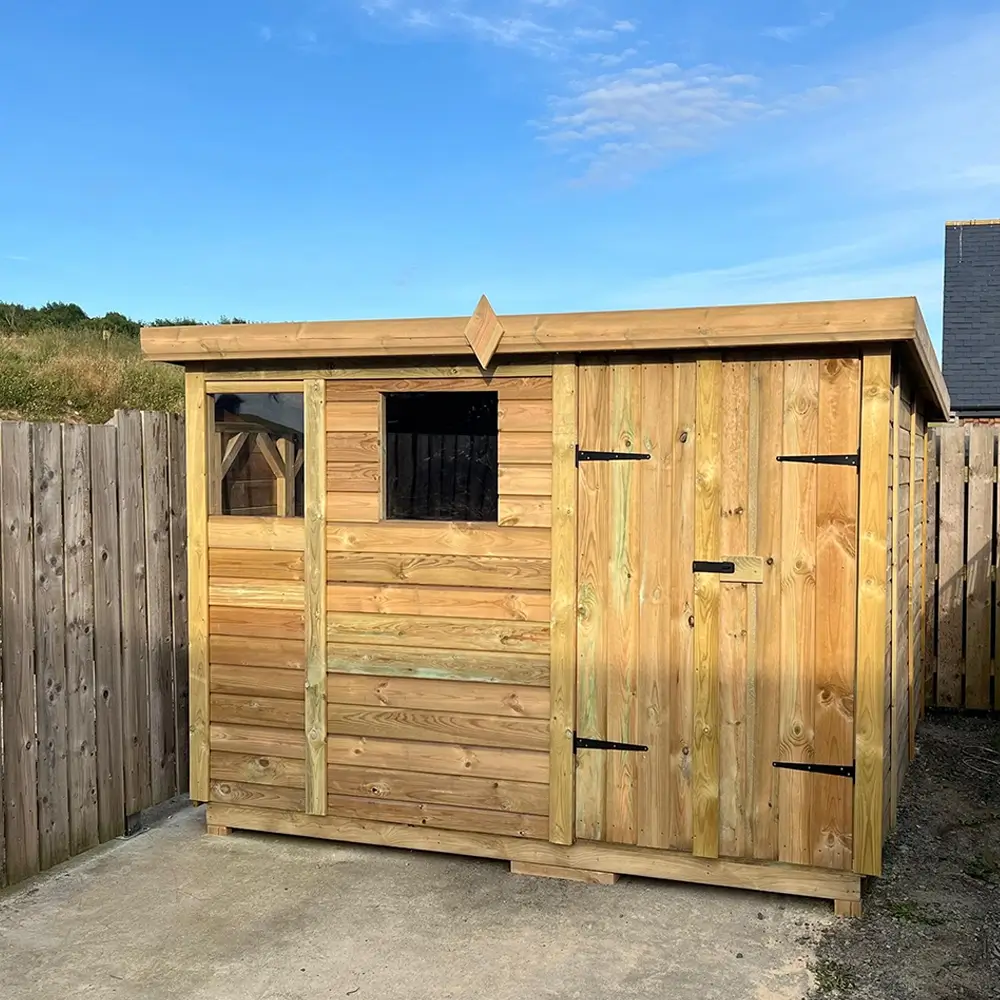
[962, 535]
[93, 712]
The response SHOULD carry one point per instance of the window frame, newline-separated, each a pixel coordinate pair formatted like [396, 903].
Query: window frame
[384, 484]
[216, 386]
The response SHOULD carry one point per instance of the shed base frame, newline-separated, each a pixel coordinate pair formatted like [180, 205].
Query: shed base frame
[585, 856]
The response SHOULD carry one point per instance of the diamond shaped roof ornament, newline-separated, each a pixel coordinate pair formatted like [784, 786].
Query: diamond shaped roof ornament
[483, 332]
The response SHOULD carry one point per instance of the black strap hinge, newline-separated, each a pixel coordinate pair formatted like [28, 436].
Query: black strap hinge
[583, 743]
[854, 459]
[608, 456]
[837, 770]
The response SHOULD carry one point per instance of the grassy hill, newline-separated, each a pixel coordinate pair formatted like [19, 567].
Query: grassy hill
[57, 363]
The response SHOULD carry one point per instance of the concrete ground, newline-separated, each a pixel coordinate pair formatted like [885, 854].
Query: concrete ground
[172, 912]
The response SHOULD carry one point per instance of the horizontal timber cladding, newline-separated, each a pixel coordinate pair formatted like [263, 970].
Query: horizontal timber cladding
[438, 632]
[775, 660]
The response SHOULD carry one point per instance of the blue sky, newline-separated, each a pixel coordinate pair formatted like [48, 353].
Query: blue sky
[313, 159]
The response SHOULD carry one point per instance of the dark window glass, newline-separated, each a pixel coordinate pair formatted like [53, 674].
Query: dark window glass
[258, 445]
[441, 456]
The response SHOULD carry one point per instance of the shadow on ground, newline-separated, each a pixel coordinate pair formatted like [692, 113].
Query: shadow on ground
[931, 925]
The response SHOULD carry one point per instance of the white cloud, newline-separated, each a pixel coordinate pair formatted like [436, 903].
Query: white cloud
[848, 271]
[625, 26]
[789, 32]
[265, 33]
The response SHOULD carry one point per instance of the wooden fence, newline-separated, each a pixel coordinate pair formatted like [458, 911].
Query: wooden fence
[962, 599]
[93, 727]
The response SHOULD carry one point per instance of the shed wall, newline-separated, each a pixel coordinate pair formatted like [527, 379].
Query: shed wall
[438, 632]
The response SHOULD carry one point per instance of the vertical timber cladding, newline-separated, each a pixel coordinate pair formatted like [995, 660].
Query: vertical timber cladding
[439, 635]
[719, 679]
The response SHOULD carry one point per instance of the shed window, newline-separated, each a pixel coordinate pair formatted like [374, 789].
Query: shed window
[258, 454]
[441, 456]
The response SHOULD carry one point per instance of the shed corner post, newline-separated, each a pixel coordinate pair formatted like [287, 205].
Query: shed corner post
[314, 401]
[562, 669]
[196, 422]
[873, 607]
[707, 542]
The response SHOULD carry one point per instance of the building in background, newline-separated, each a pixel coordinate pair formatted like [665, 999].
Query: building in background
[971, 333]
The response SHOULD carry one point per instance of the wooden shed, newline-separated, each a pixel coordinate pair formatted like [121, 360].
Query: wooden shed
[595, 593]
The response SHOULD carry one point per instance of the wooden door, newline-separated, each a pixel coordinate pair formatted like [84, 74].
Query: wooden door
[718, 679]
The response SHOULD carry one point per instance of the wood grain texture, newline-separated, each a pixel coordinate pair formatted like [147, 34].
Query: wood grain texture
[244, 593]
[525, 480]
[107, 634]
[830, 798]
[251, 710]
[592, 597]
[951, 561]
[159, 627]
[439, 727]
[280, 533]
[707, 518]
[562, 803]
[897, 688]
[254, 564]
[561, 872]
[624, 561]
[460, 602]
[353, 477]
[20, 789]
[258, 769]
[439, 633]
[199, 538]
[81, 686]
[979, 564]
[733, 610]
[763, 700]
[531, 669]
[654, 774]
[527, 414]
[644, 862]
[314, 566]
[870, 702]
[440, 538]
[259, 623]
[439, 758]
[264, 741]
[525, 447]
[667, 329]
[51, 703]
[177, 459]
[451, 570]
[258, 796]
[496, 794]
[525, 512]
[798, 608]
[135, 649]
[264, 681]
[484, 332]
[681, 610]
[363, 508]
[509, 381]
[438, 695]
[440, 817]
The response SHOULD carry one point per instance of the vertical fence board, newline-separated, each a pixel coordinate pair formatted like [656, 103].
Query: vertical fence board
[930, 570]
[107, 632]
[135, 659]
[80, 680]
[156, 513]
[50, 645]
[978, 563]
[178, 591]
[951, 566]
[19, 737]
